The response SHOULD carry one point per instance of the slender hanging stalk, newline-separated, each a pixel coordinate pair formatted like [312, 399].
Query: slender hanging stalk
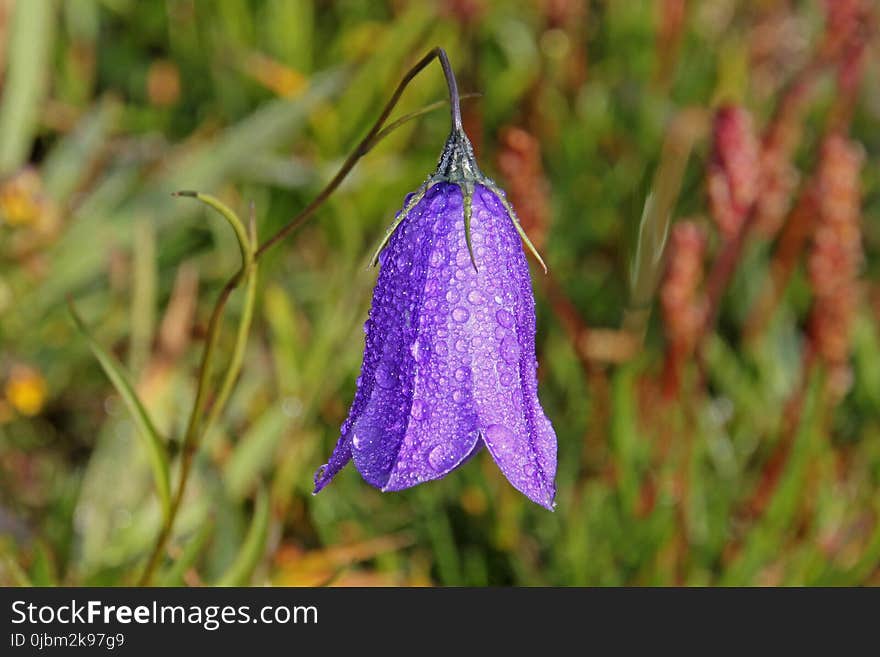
[371, 139]
[195, 428]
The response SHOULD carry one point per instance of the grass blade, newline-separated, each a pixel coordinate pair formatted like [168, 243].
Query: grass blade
[248, 558]
[26, 83]
[152, 441]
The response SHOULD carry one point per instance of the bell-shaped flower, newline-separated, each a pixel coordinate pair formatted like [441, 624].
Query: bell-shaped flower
[449, 365]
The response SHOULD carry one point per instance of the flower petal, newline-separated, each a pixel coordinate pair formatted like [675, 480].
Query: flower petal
[442, 429]
[376, 421]
[513, 425]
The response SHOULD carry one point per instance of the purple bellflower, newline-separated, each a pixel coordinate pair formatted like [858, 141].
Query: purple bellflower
[449, 365]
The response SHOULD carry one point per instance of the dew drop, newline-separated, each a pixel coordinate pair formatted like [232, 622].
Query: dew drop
[509, 349]
[504, 318]
[475, 297]
[461, 345]
[403, 262]
[506, 379]
[441, 458]
[437, 258]
[452, 296]
[418, 352]
[500, 437]
[462, 374]
[461, 314]
[457, 396]
[385, 378]
[418, 409]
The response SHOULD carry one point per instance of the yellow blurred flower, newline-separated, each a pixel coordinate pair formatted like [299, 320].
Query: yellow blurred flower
[26, 390]
[21, 200]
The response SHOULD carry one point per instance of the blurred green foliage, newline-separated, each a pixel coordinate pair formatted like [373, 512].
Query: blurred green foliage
[110, 105]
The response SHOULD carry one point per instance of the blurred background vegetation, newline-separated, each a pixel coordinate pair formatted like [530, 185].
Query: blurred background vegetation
[717, 402]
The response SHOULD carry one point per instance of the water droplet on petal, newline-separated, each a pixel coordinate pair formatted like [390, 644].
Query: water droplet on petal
[462, 373]
[385, 377]
[506, 379]
[452, 296]
[461, 314]
[504, 318]
[475, 297]
[500, 437]
[457, 396]
[402, 262]
[509, 349]
[441, 458]
[418, 409]
[461, 345]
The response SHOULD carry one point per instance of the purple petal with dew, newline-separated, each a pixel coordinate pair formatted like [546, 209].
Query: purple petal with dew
[512, 423]
[383, 394]
[442, 429]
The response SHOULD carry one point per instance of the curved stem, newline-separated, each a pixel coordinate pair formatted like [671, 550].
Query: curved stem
[241, 337]
[370, 140]
[194, 427]
[245, 244]
[452, 85]
[190, 442]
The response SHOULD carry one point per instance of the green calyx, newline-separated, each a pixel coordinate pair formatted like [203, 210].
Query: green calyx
[459, 166]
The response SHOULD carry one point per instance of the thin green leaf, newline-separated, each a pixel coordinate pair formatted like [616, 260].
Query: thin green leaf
[241, 337]
[244, 242]
[153, 442]
[30, 45]
[248, 558]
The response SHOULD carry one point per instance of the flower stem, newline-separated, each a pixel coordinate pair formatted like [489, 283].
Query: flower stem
[241, 337]
[370, 140]
[250, 256]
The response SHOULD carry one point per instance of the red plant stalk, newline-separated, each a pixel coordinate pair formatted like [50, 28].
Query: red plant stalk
[671, 17]
[519, 160]
[682, 306]
[835, 259]
[734, 170]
